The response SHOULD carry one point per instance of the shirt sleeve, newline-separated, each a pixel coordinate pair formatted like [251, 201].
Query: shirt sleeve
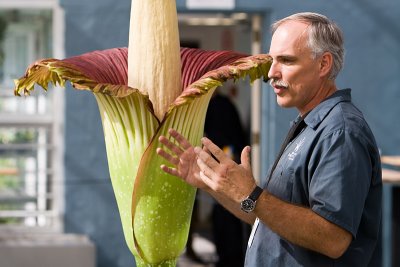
[340, 176]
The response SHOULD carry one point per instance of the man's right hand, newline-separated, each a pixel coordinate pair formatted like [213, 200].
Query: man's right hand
[183, 159]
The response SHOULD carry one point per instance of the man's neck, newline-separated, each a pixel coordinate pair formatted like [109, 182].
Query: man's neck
[327, 89]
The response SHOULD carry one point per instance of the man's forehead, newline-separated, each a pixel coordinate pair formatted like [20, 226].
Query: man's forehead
[291, 35]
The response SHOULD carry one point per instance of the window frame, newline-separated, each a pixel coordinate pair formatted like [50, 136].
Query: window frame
[54, 121]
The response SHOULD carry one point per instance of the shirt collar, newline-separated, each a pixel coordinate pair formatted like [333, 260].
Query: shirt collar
[318, 114]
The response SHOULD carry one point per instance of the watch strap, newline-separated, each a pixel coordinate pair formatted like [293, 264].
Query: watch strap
[256, 193]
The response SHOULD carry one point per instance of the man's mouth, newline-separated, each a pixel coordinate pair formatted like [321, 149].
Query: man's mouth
[278, 85]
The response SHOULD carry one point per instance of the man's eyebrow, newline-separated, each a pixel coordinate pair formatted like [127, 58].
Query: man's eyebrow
[286, 57]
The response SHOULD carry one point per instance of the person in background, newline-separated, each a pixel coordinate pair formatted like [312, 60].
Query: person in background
[321, 202]
[224, 127]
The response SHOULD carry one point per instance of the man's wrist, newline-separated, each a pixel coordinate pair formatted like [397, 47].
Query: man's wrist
[249, 203]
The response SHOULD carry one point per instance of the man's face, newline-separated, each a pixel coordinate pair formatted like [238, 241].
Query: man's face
[294, 74]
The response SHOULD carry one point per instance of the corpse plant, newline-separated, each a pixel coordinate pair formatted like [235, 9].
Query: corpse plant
[140, 95]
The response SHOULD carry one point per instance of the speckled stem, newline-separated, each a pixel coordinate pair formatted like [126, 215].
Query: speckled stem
[168, 263]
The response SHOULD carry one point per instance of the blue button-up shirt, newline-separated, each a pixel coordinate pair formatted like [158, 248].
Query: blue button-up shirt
[332, 167]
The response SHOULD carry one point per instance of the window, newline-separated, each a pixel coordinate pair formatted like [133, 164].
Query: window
[31, 136]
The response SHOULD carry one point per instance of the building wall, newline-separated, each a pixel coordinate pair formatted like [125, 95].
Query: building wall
[90, 203]
[372, 37]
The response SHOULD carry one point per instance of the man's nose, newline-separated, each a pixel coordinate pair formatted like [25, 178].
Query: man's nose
[274, 71]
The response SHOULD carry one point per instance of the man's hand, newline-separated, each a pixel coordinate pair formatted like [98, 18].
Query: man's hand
[222, 175]
[182, 157]
[185, 162]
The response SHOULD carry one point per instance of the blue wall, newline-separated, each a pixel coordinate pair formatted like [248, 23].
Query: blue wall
[372, 37]
[90, 204]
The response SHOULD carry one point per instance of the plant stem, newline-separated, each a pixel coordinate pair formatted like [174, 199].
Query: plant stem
[167, 263]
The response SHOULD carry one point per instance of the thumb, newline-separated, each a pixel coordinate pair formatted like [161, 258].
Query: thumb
[245, 158]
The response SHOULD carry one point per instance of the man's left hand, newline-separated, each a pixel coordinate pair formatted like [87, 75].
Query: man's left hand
[222, 174]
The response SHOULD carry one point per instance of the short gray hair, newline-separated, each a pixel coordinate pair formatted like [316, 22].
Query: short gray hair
[323, 36]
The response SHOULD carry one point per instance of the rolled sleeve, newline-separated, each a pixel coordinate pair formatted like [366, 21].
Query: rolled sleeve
[340, 173]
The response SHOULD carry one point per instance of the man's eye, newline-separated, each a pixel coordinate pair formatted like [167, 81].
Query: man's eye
[287, 60]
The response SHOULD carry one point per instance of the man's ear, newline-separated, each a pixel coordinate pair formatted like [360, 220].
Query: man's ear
[326, 64]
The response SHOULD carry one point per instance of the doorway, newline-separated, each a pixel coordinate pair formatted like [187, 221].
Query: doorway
[221, 31]
[218, 31]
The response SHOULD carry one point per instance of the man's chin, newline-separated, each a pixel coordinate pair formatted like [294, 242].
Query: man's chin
[282, 102]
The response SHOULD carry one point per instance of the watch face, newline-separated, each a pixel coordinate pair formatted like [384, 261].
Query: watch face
[247, 205]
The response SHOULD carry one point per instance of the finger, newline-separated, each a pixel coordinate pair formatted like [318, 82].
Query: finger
[209, 182]
[245, 158]
[167, 156]
[169, 170]
[206, 157]
[219, 154]
[215, 150]
[171, 146]
[165, 141]
[183, 142]
[204, 168]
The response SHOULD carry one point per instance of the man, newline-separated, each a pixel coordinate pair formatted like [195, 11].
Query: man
[321, 203]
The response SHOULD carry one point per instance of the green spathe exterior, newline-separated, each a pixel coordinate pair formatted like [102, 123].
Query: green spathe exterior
[155, 207]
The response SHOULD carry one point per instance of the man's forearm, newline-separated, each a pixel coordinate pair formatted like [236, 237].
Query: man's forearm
[233, 207]
[302, 226]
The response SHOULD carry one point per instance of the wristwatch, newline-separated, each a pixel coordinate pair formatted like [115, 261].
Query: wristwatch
[249, 203]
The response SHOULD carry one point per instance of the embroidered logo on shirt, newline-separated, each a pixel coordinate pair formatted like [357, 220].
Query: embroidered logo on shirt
[293, 154]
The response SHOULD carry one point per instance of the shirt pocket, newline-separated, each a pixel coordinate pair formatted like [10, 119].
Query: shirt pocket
[281, 183]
